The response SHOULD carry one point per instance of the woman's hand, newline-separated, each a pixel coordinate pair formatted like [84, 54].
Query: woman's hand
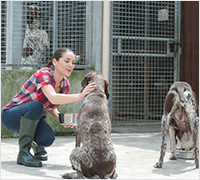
[87, 90]
[54, 113]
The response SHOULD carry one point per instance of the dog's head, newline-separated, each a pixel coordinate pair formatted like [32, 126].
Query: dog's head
[33, 17]
[99, 81]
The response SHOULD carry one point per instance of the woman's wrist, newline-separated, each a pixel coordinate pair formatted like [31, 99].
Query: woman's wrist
[80, 96]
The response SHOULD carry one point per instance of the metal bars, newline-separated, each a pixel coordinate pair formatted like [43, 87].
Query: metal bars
[3, 31]
[143, 58]
[141, 40]
[28, 45]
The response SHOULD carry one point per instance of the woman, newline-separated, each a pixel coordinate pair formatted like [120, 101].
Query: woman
[43, 92]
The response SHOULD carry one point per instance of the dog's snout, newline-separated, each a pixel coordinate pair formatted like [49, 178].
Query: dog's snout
[187, 95]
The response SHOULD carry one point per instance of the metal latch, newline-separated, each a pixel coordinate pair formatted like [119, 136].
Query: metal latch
[178, 45]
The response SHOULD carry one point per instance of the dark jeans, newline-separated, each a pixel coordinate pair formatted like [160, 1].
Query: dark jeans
[44, 135]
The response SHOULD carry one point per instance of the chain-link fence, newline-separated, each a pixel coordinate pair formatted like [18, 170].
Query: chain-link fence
[32, 30]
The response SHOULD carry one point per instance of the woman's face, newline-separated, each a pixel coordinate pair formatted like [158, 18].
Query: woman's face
[66, 64]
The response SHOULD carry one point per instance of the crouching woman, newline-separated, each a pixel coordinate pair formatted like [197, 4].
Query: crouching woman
[42, 93]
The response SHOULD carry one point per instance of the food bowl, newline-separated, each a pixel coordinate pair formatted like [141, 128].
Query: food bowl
[182, 154]
[68, 119]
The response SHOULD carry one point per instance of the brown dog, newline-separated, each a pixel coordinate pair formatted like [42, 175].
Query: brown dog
[36, 42]
[96, 157]
[181, 116]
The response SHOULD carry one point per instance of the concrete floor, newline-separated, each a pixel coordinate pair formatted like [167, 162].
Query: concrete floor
[137, 149]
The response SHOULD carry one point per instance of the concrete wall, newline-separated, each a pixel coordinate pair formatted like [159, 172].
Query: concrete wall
[12, 81]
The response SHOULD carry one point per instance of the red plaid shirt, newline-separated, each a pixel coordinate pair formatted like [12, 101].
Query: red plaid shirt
[31, 90]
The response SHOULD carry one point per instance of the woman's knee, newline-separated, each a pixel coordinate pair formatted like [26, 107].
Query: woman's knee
[10, 122]
[45, 141]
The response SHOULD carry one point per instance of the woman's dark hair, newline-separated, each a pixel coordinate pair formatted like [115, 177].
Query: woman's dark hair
[57, 55]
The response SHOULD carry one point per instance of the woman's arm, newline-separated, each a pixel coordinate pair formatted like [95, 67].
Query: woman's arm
[54, 113]
[57, 98]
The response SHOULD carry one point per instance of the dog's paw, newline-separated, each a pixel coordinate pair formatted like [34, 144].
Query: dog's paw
[158, 165]
[114, 175]
[172, 157]
[197, 166]
[72, 175]
[65, 176]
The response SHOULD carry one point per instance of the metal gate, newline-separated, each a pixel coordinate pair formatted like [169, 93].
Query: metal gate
[145, 39]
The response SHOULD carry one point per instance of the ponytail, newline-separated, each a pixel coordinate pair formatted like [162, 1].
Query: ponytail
[50, 63]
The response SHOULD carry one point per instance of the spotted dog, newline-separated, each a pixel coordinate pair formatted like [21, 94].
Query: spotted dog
[181, 116]
[36, 43]
[94, 155]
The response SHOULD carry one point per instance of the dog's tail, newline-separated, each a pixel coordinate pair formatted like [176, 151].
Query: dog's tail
[101, 169]
[105, 168]
[101, 174]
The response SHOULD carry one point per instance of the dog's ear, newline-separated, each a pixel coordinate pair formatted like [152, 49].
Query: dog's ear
[85, 80]
[106, 88]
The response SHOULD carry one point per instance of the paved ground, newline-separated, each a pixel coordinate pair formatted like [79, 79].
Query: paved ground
[137, 150]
